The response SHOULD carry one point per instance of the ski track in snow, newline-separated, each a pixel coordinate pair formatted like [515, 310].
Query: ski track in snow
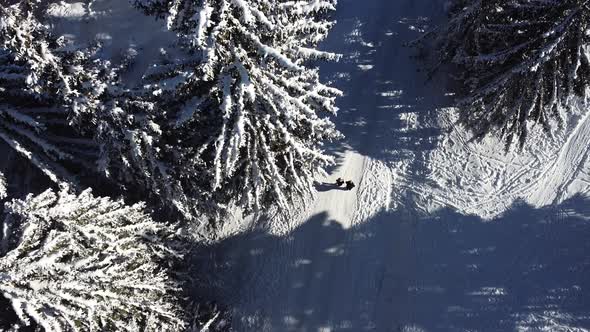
[480, 178]
[553, 186]
[390, 255]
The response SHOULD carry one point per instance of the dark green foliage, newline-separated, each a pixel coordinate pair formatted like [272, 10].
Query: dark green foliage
[520, 62]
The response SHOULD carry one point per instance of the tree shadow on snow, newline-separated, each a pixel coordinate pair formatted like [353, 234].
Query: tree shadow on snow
[389, 107]
[326, 186]
[528, 269]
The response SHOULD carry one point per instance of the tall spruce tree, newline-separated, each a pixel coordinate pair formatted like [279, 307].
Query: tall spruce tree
[83, 263]
[521, 62]
[46, 88]
[243, 117]
[134, 153]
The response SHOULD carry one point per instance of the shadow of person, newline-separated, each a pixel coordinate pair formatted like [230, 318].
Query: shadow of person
[326, 186]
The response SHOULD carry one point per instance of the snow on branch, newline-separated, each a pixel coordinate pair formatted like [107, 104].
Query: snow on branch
[208, 317]
[84, 263]
[46, 89]
[3, 190]
[258, 115]
[520, 61]
[133, 152]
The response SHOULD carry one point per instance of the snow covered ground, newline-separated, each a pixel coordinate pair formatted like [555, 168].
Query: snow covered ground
[122, 31]
[480, 178]
[440, 234]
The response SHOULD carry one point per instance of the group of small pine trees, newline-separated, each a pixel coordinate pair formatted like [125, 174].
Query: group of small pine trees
[519, 63]
[239, 120]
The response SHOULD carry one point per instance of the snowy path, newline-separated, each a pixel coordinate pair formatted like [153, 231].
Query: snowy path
[338, 204]
[370, 259]
[568, 165]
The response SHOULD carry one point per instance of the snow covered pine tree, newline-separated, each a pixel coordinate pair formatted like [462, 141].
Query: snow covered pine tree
[244, 109]
[522, 62]
[45, 86]
[82, 263]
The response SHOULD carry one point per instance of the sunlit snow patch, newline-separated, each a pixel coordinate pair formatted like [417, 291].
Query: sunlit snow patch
[72, 11]
[491, 179]
[2, 186]
[548, 320]
[412, 328]
[489, 291]
[392, 94]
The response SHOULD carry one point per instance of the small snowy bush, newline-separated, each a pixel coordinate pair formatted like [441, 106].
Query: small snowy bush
[82, 263]
[521, 62]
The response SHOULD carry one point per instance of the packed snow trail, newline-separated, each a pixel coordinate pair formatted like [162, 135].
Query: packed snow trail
[369, 258]
[569, 163]
[377, 116]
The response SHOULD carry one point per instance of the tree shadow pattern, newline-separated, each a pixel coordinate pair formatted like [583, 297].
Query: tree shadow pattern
[526, 270]
[389, 106]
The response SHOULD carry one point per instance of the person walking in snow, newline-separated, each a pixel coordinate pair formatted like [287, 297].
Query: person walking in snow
[349, 185]
[339, 182]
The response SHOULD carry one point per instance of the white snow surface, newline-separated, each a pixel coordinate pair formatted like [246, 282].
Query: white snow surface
[2, 186]
[442, 233]
[481, 178]
[120, 29]
[62, 9]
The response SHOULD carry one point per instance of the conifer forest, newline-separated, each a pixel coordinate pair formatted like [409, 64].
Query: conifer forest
[294, 165]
